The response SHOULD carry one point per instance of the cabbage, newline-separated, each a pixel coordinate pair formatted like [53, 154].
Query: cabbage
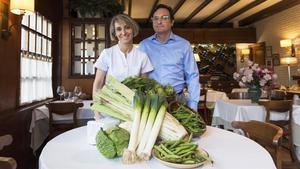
[112, 142]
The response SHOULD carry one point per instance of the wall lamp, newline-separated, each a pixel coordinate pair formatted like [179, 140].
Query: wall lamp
[245, 54]
[18, 7]
[286, 43]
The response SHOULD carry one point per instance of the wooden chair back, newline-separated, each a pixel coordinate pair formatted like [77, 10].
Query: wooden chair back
[202, 108]
[266, 134]
[239, 95]
[278, 106]
[277, 95]
[62, 108]
[8, 163]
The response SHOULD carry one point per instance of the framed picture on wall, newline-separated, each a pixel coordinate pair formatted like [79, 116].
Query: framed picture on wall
[268, 51]
[269, 62]
[276, 59]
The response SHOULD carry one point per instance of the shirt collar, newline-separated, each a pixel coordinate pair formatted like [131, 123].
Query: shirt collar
[172, 37]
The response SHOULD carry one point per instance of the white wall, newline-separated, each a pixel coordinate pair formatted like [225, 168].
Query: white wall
[283, 25]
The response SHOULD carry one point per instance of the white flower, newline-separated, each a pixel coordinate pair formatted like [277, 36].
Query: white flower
[262, 82]
[236, 76]
[267, 77]
[248, 72]
[242, 84]
[249, 78]
[244, 79]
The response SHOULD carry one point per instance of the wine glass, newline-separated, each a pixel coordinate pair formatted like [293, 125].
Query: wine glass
[77, 91]
[60, 91]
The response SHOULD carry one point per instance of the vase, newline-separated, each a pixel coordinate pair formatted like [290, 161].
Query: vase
[254, 93]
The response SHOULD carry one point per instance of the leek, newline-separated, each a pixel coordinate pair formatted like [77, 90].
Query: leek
[144, 117]
[129, 155]
[150, 121]
[98, 107]
[155, 131]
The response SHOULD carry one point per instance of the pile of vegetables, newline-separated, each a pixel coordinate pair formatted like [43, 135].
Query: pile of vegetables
[112, 142]
[116, 100]
[180, 151]
[149, 86]
[189, 119]
[146, 125]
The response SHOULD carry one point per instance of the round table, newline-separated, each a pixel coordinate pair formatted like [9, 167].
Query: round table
[70, 150]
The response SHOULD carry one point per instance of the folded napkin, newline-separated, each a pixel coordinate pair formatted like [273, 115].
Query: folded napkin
[94, 126]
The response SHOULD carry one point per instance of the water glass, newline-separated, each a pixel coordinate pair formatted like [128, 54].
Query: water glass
[60, 91]
[77, 91]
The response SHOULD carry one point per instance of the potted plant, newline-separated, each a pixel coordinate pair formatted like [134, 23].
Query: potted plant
[96, 8]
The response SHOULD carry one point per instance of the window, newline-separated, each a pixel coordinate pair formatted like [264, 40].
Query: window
[36, 59]
[87, 41]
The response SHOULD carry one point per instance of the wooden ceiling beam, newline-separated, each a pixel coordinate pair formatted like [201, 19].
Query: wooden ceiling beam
[242, 10]
[152, 10]
[228, 5]
[129, 7]
[197, 10]
[274, 9]
[177, 7]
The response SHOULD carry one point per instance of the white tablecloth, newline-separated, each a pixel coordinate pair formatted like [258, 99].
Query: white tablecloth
[227, 111]
[212, 96]
[228, 150]
[39, 127]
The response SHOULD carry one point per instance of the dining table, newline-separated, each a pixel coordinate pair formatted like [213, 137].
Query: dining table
[39, 126]
[228, 150]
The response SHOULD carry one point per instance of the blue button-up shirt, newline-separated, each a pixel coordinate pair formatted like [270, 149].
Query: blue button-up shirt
[174, 64]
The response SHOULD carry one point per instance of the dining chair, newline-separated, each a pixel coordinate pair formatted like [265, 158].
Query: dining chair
[238, 95]
[62, 108]
[8, 163]
[277, 95]
[202, 107]
[266, 134]
[281, 107]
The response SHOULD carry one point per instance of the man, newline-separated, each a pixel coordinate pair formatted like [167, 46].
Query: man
[172, 57]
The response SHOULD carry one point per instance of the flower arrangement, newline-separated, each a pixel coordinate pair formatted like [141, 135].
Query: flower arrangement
[254, 75]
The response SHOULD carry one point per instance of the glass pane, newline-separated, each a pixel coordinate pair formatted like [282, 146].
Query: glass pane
[32, 22]
[89, 69]
[78, 47]
[25, 20]
[49, 30]
[90, 49]
[101, 31]
[89, 31]
[44, 49]
[78, 32]
[44, 26]
[77, 68]
[31, 42]
[24, 40]
[49, 48]
[38, 44]
[39, 24]
[101, 46]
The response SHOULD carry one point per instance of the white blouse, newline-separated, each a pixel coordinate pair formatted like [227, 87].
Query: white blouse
[114, 62]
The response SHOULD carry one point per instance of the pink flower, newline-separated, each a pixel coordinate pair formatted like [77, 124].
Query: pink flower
[253, 74]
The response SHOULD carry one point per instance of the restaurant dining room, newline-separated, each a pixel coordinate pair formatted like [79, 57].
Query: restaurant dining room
[215, 85]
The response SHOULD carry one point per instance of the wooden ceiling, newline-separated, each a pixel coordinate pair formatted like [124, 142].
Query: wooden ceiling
[209, 13]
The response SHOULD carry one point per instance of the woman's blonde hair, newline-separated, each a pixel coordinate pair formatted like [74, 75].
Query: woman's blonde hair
[128, 21]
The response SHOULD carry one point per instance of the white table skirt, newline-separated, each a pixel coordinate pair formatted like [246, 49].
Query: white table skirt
[228, 150]
[39, 127]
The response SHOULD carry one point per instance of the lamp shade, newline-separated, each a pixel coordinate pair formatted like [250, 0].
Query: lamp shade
[288, 60]
[20, 7]
[285, 43]
[245, 51]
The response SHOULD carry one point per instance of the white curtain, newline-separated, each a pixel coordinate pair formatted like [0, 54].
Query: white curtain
[36, 80]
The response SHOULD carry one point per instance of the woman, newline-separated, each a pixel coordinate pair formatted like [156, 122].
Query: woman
[123, 59]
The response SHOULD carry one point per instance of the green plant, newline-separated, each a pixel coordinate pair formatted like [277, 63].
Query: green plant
[100, 8]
